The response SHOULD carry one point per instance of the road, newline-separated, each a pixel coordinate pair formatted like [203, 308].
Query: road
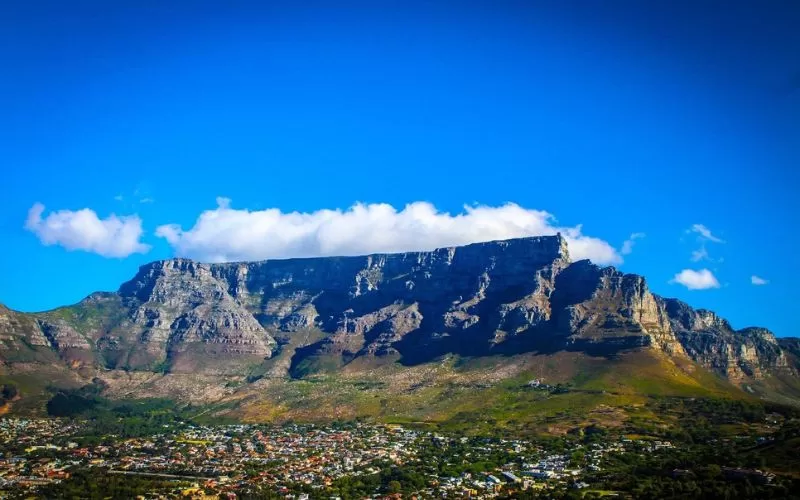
[159, 474]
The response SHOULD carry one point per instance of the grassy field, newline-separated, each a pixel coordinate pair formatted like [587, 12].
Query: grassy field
[490, 394]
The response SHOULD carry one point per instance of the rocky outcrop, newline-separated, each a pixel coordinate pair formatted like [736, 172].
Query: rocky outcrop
[712, 342]
[62, 336]
[18, 331]
[418, 304]
[22, 341]
[183, 315]
[598, 303]
[791, 349]
[28, 356]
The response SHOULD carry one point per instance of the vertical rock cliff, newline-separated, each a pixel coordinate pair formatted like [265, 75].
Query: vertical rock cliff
[598, 304]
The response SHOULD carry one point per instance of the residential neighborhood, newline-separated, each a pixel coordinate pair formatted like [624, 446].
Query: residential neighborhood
[294, 460]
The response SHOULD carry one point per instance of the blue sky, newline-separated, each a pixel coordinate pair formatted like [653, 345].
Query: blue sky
[679, 120]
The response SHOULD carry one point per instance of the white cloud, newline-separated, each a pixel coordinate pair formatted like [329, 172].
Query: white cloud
[705, 233]
[119, 197]
[147, 199]
[700, 254]
[756, 280]
[696, 280]
[114, 236]
[627, 245]
[228, 234]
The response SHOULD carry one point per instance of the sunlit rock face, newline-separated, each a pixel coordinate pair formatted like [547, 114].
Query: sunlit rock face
[600, 303]
[737, 354]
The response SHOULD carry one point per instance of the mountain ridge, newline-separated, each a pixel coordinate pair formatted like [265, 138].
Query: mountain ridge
[294, 318]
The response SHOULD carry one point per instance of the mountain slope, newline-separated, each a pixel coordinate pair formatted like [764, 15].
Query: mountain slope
[392, 315]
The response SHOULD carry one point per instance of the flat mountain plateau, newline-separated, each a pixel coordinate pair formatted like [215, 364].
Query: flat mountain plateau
[504, 334]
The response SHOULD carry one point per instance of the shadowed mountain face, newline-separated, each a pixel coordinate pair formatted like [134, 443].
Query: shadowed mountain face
[502, 297]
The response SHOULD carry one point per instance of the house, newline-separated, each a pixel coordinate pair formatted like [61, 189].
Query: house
[754, 475]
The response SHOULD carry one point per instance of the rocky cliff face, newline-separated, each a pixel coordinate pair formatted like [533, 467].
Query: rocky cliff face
[600, 303]
[711, 341]
[22, 340]
[791, 349]
[521, 295]
[186, 319]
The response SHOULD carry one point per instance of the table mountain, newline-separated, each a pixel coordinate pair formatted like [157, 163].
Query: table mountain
[297, 317]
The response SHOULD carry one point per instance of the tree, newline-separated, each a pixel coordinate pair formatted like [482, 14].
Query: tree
[8, 392]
